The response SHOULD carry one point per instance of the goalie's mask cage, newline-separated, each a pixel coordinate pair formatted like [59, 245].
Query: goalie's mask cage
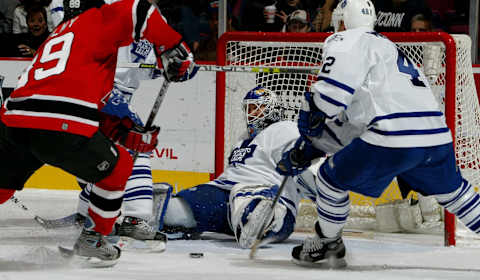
[260, 106]
[73, 8]
[444, 58]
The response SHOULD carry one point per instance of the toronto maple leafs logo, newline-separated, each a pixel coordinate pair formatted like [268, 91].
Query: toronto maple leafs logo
[240, 154]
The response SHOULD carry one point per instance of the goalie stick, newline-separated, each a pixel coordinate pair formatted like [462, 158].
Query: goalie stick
[235, 68]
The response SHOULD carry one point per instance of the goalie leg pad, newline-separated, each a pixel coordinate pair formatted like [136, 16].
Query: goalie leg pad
[162, 192]
[249, 205]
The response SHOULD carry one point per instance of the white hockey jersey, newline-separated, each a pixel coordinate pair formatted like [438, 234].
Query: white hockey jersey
[253, 161]
[368, 79]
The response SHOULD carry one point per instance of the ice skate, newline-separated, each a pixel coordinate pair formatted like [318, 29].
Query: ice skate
[91, 249]
[320, 251]
[136, 233]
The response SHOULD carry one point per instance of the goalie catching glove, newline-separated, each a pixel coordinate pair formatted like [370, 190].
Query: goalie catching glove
[128, 134]
[178, 63]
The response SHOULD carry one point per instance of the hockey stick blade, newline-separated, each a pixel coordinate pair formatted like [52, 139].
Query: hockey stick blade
[260, 232]
[63, 222]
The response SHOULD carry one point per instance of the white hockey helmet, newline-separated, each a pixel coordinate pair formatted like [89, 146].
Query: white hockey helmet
[261, 109]
[354, 13]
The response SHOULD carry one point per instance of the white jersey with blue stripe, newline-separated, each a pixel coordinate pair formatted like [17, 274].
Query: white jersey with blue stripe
[368, 79]
[253, 161]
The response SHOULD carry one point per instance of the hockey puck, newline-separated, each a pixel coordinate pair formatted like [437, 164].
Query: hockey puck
[196, 255]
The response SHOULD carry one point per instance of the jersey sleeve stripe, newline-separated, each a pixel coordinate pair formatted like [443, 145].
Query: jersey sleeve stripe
[140, 15]
[333, 135]
[337, 84]
[407, 115]
[332, 101]
[410, 131]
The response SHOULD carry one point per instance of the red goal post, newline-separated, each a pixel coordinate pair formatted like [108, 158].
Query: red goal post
[444, 51]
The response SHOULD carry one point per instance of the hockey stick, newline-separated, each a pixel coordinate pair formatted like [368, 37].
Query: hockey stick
[22, 206]
[155, 108]
[267, 217]
[235, 68]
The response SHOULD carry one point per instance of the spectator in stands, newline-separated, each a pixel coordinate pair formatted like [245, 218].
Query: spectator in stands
[6, 15]
[321, 21]
[298, 21]
[207, 50]
[20, 15]
[286, 8]
[396, 15]
[26, 44]
[420, 23]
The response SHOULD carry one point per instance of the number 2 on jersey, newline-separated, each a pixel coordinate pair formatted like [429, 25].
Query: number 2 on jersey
[48, 54]
[406, 66]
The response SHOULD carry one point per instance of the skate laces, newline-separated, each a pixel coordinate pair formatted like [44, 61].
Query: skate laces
[312, 244]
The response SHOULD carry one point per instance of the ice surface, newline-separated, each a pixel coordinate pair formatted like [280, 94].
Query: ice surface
[29, 252]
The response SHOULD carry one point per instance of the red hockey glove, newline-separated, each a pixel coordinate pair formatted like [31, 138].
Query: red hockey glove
[128, 134]
[114, 127]
[141, 139]
[178, 63]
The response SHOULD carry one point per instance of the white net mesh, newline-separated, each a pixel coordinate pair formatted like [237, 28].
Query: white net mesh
[431, 56]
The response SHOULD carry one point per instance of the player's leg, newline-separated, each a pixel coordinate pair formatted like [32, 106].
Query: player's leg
[17, 163]
[440, 177]
[248, 207]
[198, 209]
[97, 160]
[359, 167]
[138, 201]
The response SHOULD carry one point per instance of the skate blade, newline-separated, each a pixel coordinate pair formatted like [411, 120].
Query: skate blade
[151, 246]
[84, 262]
[330, 263]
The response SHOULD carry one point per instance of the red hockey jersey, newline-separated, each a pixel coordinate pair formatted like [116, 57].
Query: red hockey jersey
[72, 72]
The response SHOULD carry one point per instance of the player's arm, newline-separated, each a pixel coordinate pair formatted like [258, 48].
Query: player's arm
[119, 123]
[141, 20]
[173, 54]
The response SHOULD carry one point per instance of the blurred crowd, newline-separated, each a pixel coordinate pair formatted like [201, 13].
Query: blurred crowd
[24, 24]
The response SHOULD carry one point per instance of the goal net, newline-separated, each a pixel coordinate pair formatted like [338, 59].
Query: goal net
[444, 58]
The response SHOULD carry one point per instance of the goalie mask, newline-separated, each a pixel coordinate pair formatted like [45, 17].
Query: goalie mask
[354, 13]
[73, 8]
[260, 105]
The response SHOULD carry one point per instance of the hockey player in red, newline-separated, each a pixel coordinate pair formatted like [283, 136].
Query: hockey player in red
[53, 115]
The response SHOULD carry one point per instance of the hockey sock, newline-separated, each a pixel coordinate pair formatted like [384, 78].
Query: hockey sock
[5, 195]
[138, 198]
[333, 206]
[464, 203]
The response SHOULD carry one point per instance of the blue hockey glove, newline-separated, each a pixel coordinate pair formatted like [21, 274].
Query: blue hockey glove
[299, 158]
[310, 119]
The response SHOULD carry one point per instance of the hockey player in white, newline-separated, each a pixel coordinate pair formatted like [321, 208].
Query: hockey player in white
[236, 201]
[369, 80]
[138, 197]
